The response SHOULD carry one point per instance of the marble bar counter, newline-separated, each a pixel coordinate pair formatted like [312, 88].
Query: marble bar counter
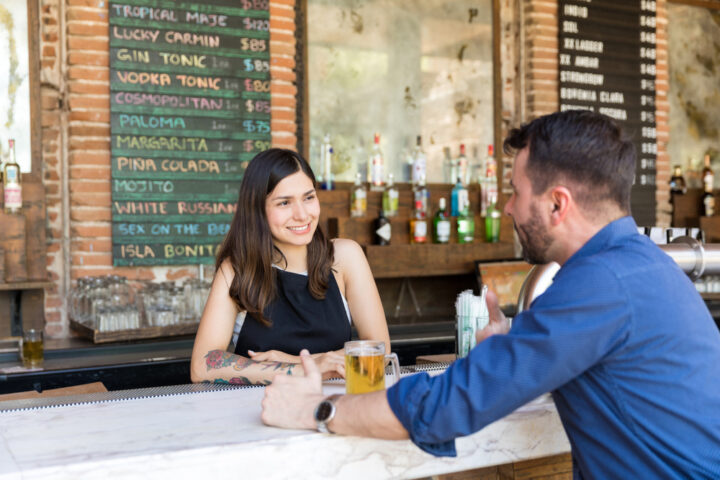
[203, 431]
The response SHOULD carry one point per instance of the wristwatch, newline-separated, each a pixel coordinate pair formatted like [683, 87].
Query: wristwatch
[325, 412]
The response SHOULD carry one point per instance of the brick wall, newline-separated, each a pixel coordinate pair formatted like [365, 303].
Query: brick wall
[51, 86]
[76, 122]
[540, 59]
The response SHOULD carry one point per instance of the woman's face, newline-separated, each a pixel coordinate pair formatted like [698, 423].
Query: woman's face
[293, 210]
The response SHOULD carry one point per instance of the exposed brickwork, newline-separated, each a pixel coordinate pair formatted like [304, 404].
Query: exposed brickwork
[50, 105]
[540, 66]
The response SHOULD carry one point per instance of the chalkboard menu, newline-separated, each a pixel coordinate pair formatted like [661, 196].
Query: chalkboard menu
[607, 65]
[190, 106]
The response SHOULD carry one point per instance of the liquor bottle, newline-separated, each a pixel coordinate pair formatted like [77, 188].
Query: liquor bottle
[677, 181]
[489, 186]
[418, 222]
[441, 223]
[708, 178]
[390, 198]
[449, 166]
[382, 229]
[492, 223]
[462, 166]
[12, 182]
[358, 200]
[326, 156]
[377, 166]
[459, 198]
[419, 168]
[465, 226]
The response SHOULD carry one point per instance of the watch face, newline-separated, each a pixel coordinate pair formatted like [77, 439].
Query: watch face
[323, 411]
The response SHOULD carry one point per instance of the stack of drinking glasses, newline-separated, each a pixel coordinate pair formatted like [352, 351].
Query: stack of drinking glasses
[471, 317]
[104, 303]
[157, 298]
[109, 303]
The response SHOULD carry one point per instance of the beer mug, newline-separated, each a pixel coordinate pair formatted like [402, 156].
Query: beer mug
[365, 366]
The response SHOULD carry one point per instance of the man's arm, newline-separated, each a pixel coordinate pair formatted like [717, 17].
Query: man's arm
[290, 403]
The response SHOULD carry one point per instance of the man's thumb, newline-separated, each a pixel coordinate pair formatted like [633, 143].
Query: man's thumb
[308, 363]
[491, 300]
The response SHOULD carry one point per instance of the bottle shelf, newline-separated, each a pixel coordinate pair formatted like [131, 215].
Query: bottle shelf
[401, 258]
[423, 260]
[38, 285]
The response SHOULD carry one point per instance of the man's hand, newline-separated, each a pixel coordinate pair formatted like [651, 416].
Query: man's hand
[290, 402]
[498, 323]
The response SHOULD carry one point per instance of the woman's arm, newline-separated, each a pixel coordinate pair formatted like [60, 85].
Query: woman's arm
[358, 286]
[210, 361]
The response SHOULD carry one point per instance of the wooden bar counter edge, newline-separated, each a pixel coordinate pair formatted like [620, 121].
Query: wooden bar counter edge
[202, 434]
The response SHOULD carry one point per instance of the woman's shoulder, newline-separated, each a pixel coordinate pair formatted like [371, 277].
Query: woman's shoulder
[345, 247]
[348, 254]
[227, 271]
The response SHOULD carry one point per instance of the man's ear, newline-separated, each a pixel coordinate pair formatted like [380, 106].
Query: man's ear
[562, 200]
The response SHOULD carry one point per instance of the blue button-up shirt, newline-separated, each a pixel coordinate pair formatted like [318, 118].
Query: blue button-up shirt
[627, 347]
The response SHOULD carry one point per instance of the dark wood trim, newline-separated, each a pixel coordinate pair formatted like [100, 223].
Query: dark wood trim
[302, 112]
[34, 72]
[497, 92]
[711, 4]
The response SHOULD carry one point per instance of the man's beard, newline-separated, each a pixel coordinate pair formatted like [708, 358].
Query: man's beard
[534, 238]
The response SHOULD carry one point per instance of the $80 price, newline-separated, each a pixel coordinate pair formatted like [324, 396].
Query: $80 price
[257, 85]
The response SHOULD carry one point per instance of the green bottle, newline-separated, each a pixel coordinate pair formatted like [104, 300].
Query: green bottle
[492, 221]
[465, 226]
[390, 198]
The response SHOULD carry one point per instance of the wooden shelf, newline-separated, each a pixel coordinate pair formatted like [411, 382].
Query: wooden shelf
[135, 334]
[424, 260]
[37, 285]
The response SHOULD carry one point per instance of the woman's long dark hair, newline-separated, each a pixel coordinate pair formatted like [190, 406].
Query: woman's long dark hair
[249, 243]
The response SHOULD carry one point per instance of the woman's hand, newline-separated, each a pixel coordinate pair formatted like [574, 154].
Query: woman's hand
[331, 364]
[273, 356]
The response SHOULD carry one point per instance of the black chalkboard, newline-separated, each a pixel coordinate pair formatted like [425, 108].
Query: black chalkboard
[189, 107]
[606, 56]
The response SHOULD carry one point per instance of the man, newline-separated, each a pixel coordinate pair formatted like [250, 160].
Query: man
[621, 338]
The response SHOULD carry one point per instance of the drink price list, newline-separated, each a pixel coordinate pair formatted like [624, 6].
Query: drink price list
[607, 65]
[189, 107]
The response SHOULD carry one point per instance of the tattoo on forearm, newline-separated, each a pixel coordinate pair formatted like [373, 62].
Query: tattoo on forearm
[216, 359]
[234, 381]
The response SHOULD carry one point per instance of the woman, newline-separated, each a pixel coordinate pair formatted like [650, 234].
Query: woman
[297, 289]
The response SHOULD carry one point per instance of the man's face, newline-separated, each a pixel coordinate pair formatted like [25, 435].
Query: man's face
[530, 219]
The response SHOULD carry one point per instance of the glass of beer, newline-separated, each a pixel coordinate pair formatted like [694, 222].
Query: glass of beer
[32, 348]
[365, 366]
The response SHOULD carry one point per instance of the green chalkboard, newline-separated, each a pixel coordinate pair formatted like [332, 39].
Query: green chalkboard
[189, 107]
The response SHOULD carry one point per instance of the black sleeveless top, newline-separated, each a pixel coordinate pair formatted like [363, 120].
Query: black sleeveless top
[298, 320]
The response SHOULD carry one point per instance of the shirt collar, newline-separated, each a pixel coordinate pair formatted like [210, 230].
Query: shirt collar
[609, 235]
